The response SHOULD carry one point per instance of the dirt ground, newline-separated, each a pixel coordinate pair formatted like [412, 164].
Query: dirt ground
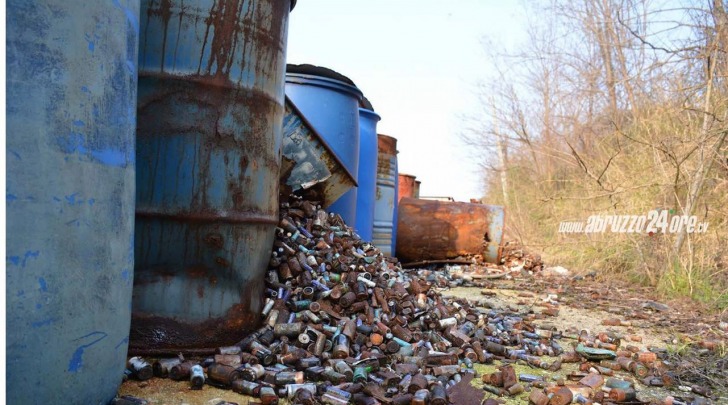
[164, 391]
[567, 318]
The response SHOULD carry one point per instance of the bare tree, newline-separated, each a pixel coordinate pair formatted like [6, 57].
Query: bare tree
[611, 106]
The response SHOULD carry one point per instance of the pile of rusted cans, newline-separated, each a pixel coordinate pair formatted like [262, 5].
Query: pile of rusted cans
[344, 324]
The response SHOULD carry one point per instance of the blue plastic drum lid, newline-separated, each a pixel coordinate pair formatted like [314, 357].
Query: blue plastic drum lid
[211, 105]
[332, 108]
[71, 94]
[367, 189]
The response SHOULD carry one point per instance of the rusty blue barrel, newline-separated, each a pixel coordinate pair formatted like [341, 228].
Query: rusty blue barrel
[210, 111]
[385, 203]
[71, 92]
[368, 157]
[330, 102]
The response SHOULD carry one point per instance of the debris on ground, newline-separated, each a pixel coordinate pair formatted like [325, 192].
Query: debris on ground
[516, 257]
[344, 324]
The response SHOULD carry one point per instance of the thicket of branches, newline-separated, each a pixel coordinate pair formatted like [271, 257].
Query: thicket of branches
[614, 107]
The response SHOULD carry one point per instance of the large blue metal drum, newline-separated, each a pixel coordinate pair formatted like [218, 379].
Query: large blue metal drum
[332, 108]
[367, 189]
[71, 94]
[211, 104]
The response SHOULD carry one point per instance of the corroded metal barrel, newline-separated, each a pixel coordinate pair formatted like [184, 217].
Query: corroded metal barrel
[385, 204]
[210, 111]
[441, 230]
[71, 92]
[406, 186]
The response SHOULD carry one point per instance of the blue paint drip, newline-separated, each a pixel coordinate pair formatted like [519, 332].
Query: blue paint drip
[123, 341]
[30, 254]
[76, 362]
[85, 89]
[14, 153]
[90, 42]
[75, 143]
[125, 274]
[43, 285]
[10, 197]
[91, 201]
[14, 260]
[110, 157]
[38, 306]
[71, 199]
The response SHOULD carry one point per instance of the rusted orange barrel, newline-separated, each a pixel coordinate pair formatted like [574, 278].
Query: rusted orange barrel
[441, 230]
[406, 186]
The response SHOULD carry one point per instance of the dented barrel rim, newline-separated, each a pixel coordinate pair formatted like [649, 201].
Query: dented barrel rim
[370, 114]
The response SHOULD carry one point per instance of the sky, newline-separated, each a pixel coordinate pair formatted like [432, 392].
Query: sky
[419, 63]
